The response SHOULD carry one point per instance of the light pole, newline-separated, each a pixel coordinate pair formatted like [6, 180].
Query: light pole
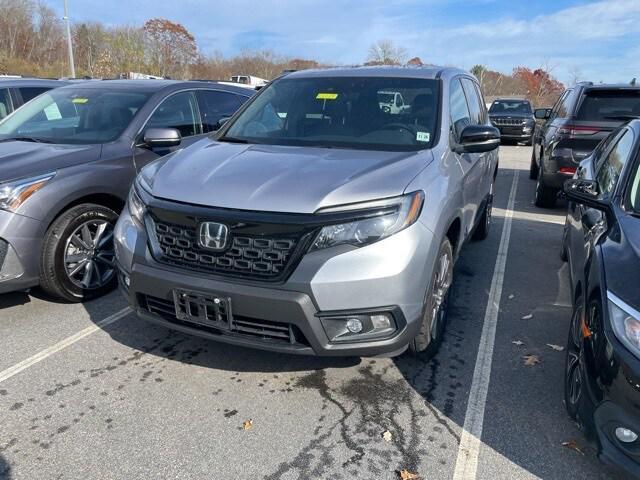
[69, 44]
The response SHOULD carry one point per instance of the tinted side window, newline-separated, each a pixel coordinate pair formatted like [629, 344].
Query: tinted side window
[215, 105]
[29, 93]
[565, 106]
[179, 111]
[483, 105]
[558, 105]
[612, 166]
[473, 101]
[459, 110]
[5, 102]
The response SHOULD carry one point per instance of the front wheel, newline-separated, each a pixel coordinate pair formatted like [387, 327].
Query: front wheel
[436, 302]
[484, 224]
[78, 260]
[573, 381]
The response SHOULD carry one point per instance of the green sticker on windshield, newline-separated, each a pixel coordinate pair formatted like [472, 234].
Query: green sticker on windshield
[423, 136]
[80, 100]
[326, 96]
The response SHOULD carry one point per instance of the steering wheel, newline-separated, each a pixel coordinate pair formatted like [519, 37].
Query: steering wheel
[400, 126]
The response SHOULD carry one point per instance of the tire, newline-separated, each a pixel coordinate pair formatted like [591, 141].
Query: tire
[434, 312]
[484, 224]
[563, 246]
[545, 196]
[529, 142]
[533, 168]
[573, 380]
[78, 261]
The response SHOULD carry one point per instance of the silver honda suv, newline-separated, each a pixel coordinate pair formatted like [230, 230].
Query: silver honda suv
[315, 221]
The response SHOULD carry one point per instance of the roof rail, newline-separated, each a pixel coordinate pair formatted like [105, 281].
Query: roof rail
[585, 83]
[633, 82]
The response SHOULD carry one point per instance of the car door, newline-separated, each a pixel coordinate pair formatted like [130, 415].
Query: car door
[216, 105]
[178, 110]
[6, 105]
[463, 115]
[587, 224]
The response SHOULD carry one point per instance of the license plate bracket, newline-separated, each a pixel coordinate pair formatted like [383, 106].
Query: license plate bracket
[203, 308]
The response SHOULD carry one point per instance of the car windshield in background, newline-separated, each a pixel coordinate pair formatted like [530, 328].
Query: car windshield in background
[74, 116]
[510, 106]
[610, 105]
[342, 112]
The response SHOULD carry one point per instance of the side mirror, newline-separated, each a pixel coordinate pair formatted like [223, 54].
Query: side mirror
[542, 113]
[585, 192]
[220, 123]
[478, 139]
[161, 137]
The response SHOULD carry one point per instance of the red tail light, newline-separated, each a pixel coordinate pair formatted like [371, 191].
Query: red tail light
[577, 130]
[568, 170]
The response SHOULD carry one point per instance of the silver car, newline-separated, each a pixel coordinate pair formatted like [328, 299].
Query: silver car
[314, 221]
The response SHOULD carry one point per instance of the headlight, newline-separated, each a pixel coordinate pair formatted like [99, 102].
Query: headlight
[626, 323]
[136, 206]
[394, 214]
[15, 193]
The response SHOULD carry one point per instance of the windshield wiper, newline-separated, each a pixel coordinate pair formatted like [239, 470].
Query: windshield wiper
[26, 139]
[232, 140]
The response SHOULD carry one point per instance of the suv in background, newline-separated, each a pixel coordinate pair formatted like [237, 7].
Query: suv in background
[15, 92]
[315, 222]
[514, 119]
[582, 117]
[67, 160]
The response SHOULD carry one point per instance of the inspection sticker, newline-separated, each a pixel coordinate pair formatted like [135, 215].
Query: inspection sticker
[80, 100]
[423, 136]
[326, 96]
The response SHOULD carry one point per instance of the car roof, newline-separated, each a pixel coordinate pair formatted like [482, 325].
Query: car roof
[409, 71]
[153, 86]
[31, 82]
[611, 86]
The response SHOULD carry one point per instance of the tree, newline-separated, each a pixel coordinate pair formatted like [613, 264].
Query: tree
[542, 87]
[170, 47]
[385, 52]
[416, 61]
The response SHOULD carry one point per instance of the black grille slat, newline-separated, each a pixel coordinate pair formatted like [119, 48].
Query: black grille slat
[508, 122]
[259, 257]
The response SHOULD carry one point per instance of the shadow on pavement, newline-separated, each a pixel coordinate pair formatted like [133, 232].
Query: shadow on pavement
[5, 469]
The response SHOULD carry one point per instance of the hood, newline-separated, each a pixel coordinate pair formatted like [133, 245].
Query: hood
[621, 254]
[283, 178]
[24, 159]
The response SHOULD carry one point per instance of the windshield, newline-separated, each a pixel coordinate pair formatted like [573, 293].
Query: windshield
[609, 105]
[510, 106]
[74, 116]
[341, 112]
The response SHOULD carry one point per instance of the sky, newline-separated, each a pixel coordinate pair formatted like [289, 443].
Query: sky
[597, 40]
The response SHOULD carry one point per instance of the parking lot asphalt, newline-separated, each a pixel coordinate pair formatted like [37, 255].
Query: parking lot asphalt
[83, 398]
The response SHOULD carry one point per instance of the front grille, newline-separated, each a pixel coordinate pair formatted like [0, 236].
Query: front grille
[255, 256]
[262, 330]
[508, 122]
[4, 248]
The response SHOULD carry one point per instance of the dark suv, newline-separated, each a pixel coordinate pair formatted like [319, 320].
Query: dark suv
[67, 160]
[583, 116]
[15, 92]
[514, 119]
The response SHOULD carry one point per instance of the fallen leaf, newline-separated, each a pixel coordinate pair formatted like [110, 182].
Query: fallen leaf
[518, 342]
[531, 359]
[557, 348]
[407, 475]
[247, 424]
[387, 436]
[573, 446]
[528, 317]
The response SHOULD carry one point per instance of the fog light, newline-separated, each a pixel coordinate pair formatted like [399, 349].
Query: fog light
[354, 325]
[625, 435]
[380, 322]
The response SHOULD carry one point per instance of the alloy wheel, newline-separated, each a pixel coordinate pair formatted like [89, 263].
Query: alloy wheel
[89, 255]
[438, 299]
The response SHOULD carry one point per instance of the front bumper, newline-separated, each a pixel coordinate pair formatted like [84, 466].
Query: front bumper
[20, 243]
[515, 132]
[387, 276]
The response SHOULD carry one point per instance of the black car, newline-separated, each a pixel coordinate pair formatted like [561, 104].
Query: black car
[15, 92]
[583, 116]
[602, 244]
[514, 118]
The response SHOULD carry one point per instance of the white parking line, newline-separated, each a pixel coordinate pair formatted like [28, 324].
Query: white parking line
[38, 357]
[469, 448]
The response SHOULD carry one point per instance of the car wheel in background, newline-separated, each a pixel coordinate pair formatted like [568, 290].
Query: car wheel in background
[563, 246]
[484, 225]
[78, 260]
[434, 311]
[533, 168]
[545, 196]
